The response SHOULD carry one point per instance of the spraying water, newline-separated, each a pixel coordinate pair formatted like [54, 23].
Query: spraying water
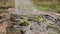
[23, 6]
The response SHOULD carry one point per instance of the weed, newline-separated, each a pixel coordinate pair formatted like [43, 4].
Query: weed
[37, 18]
[24, 22]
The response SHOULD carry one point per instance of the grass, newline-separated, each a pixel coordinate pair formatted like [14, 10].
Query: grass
[24, 22]
[37, 18]
[48, 6]
[49, 25]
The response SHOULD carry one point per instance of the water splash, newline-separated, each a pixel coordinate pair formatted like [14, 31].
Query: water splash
[23, 6]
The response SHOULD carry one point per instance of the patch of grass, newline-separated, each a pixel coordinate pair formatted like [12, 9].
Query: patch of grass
[37, 18]
[49, 25]
[24, 22]
[58, 8]
[48, 6]
[43, 8]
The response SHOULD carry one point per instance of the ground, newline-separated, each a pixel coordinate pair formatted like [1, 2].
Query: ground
[30, 23]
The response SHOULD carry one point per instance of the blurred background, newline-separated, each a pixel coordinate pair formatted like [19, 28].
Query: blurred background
[7, 3]
[45, 5]
[48, 5]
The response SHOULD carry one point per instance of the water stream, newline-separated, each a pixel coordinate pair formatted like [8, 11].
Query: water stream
[23, 6]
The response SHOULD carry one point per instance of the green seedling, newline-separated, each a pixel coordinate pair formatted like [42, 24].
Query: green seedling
[37, 19]
[24, 22]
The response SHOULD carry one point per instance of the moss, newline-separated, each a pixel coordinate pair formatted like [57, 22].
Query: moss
[57, 8]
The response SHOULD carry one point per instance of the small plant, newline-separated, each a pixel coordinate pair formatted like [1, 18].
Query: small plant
[37, 18]
[24, 22]
[49, 25]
